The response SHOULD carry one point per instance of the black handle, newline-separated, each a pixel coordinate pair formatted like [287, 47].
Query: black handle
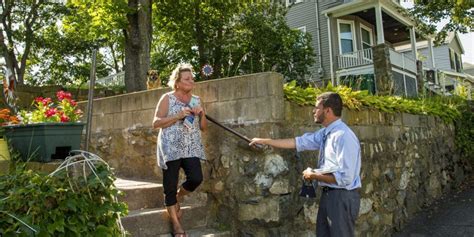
[259, 146]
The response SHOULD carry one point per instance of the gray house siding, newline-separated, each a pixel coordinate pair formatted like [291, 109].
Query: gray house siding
[325, 41]
[441, 57]
[304, 14]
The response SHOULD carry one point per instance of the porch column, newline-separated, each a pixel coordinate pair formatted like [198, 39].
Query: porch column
[430, 52]
[331, 67]
[378, 19]
[413, 42]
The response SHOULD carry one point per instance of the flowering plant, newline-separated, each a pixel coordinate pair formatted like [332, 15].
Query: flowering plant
[6, 118]
[64, 110]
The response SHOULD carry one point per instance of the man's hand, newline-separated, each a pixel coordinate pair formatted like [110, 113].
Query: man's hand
[309, 174]
[256, 140]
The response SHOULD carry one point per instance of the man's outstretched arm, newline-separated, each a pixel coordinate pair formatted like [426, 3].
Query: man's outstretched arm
[288, 143]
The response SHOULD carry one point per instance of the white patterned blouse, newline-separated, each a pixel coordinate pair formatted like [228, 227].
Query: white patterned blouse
[177, 141]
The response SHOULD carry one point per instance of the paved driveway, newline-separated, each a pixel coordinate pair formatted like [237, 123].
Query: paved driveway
[452, 215]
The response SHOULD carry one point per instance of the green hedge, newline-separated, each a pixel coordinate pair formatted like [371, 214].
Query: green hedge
[452, 109]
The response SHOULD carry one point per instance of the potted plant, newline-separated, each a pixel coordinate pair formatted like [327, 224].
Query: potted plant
[48, 132]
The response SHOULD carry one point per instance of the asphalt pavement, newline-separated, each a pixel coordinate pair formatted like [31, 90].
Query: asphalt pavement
[451, 215]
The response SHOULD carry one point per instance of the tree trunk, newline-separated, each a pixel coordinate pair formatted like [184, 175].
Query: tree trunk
[137, 44]
[218, 54]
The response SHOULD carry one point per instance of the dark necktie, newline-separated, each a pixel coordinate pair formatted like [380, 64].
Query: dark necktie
[321, 150]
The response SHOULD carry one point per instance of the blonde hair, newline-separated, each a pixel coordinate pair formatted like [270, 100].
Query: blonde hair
[176, 74]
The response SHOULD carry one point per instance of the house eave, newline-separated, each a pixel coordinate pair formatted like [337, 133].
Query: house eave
[389, 7]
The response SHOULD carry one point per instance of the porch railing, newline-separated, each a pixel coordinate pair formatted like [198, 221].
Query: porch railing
[355, 59]
[112, 80]
[402, 61]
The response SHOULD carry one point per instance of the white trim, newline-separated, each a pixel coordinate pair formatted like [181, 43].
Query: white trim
[367, 69]
[379, 25]
[371, 35]
[413, 43]
[301, 28]
[331, 67]
[287, 2]
[353, 33]
[404, 74]
[348, 8]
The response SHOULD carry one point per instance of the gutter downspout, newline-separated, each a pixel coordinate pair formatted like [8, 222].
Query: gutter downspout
[318, 36]
[330, 50]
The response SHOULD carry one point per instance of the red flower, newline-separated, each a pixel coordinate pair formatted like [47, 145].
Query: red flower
[63, 95]
[44, 101]
[39, 99]
[64, 118]
[50, 112]
[73, 102]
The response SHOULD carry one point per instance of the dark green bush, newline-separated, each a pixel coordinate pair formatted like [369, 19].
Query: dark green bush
[57, 205]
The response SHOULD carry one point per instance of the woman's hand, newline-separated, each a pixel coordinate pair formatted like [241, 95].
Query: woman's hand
[198, 110]
[183, 113]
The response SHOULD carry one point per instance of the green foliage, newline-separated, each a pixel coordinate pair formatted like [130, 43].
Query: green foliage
[465, 131]
[50, 206]
[454, 109]
[446, 108]
[459, 13]
[23, 24]
[235, 38]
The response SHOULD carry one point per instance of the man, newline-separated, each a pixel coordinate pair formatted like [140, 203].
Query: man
[339, 166]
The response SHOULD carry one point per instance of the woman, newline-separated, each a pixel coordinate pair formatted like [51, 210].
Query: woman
[179, 146]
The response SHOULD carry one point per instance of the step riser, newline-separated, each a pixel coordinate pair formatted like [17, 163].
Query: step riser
[141, 198]
[153, 224]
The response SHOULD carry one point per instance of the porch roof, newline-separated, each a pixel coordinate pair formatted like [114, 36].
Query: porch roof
[396, 20]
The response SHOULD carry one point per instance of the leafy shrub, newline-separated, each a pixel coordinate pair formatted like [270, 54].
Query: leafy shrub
[34, 204]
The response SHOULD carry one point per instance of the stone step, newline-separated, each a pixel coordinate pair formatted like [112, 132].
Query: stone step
[155, 222]
[204, 233]
[140, 194]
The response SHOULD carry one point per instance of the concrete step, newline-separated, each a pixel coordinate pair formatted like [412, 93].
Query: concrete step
[153, 222]
[140, 194]
[204, 233]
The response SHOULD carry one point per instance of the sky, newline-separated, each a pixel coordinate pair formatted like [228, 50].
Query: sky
[467, 41]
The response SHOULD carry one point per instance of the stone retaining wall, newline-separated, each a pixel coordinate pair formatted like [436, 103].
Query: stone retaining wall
[407, 160]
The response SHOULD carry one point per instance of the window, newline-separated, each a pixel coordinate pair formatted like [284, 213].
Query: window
[457, 59]
[366, 37]
[290, 2]
[346, 36]
[451, 59]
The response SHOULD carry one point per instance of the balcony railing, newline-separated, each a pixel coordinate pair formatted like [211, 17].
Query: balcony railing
[113, 80]
[402, 61]
[355, 59]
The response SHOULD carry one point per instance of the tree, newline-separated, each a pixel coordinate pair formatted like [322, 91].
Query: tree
[234, 38]
[459, 12]
[22, 23]
[137, 44]
[264, 42]
[123, 27]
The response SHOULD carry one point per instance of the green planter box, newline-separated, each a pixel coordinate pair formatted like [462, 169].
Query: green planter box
[45, 141]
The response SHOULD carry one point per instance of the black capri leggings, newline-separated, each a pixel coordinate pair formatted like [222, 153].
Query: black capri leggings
[192, 169]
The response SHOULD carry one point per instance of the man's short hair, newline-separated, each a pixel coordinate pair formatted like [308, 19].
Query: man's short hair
[331, 100]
